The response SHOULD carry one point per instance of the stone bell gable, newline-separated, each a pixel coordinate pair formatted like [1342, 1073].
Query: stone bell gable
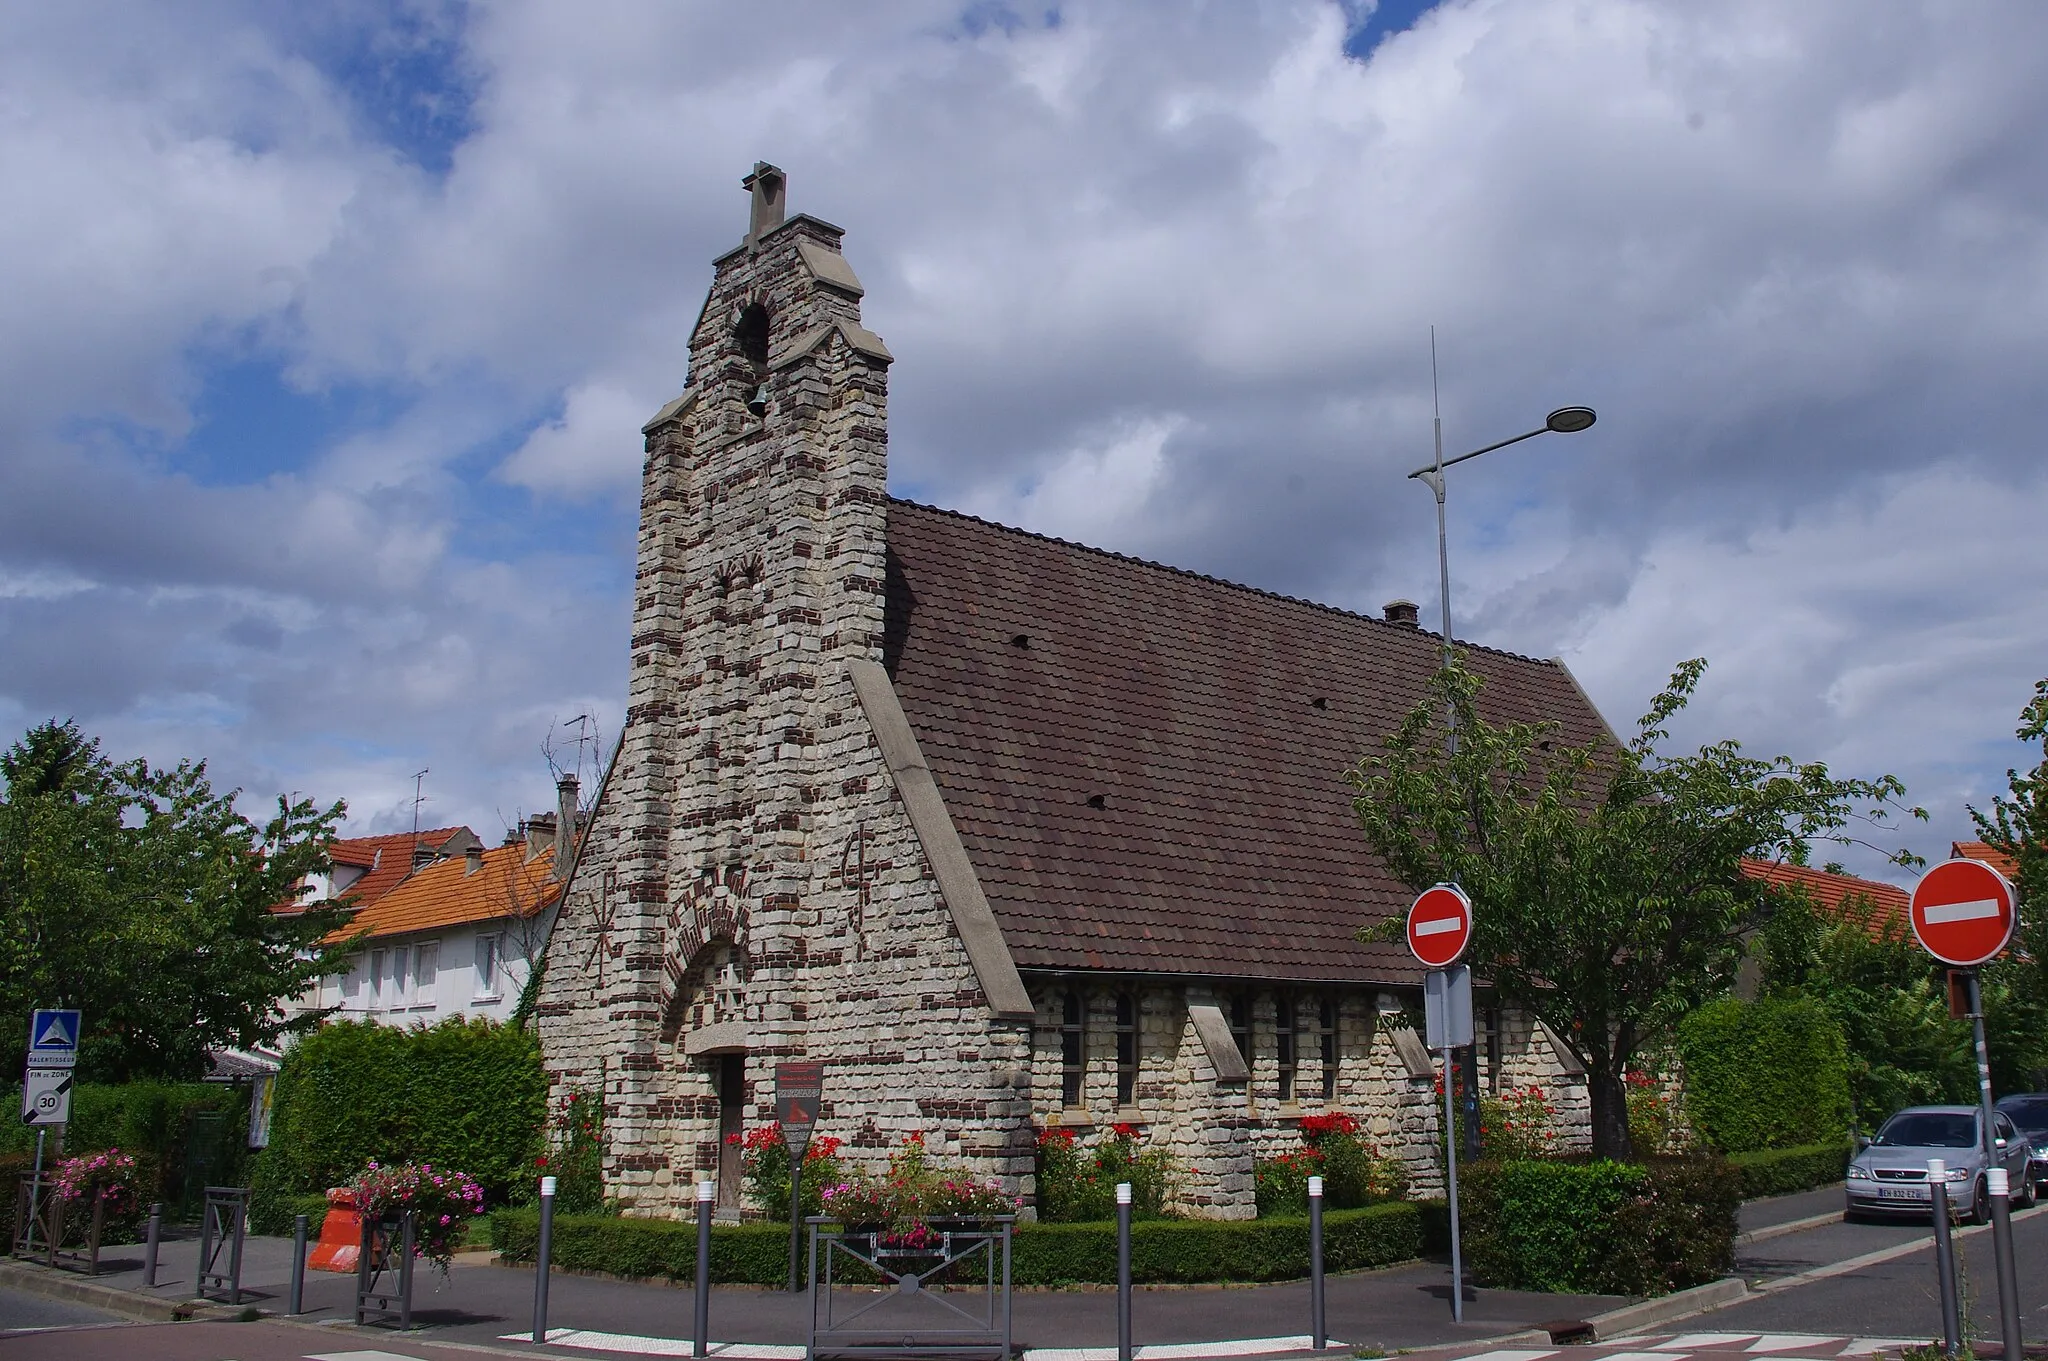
[755, 885]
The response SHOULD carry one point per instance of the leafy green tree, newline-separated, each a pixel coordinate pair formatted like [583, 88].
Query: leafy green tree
[1606, 882]
[140, 896]
[2016, 984]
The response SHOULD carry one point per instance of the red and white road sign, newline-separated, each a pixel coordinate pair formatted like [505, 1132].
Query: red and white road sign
[1964, 912]
[1440, 925]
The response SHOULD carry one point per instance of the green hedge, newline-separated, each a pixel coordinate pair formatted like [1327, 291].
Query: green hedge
[1600, 1227]
[155, 1121]
[1767, 1074]
[467, 1095]
[1162, 1250]
[1777, 1171]
[272, 1212]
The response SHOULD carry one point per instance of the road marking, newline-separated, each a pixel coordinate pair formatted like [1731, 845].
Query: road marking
[1694, 1341]
[1507, 1354]
[1788, 1342]
[1963, 912]
[1198, 1351]
[367, 1356]
[1436, 928]
[664, 1346]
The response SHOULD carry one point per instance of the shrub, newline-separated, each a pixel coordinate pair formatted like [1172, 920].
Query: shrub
[1075, 1188]
[1333, 1149]
[1600, 1227]
[902, 1203]
[1779, 1171]
[443, 1201]
[1519, 1123]
[1765, 1074]
[1655, 1122]
[464, 1093]
[576, 1154]
[764, 1157]
[1187, 1251]
[271, 1212]
[160, 1123]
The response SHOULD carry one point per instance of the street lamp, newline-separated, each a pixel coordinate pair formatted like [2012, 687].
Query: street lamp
[1566, 420]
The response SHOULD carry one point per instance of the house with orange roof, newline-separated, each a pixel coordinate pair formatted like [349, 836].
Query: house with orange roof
[1830, 891]
[458, 933]
[365, 868]
[1989, 854]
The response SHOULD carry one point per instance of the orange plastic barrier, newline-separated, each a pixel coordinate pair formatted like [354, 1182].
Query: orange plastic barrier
[341, 1235]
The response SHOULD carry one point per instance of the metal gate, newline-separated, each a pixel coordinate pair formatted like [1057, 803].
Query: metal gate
[949, 1297]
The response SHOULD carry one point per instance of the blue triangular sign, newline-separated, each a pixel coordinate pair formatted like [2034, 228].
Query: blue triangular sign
[56, 1034]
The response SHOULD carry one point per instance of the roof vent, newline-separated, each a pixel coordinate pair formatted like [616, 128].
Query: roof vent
[1319, 703]
[1021, 640]
[472, 858]
[1097, 801]
[1402, 614]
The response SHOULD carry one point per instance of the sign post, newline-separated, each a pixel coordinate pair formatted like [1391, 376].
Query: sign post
[1964, 913]
[1439, 930]
[46, 1086]
[799, 1087]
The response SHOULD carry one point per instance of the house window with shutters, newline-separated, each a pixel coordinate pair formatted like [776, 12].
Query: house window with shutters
[426, 964]
[490, 951]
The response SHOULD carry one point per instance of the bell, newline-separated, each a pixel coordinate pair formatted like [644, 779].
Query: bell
[758, 403]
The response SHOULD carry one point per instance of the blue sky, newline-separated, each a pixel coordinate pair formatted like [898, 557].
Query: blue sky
[333, 327]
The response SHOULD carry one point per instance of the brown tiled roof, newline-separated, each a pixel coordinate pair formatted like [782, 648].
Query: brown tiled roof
[446, 893]
[387, 858]
[1225, 843]
[1990, 855]
[1832, 890]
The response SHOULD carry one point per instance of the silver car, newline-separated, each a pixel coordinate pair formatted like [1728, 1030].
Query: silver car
[1890, 1175]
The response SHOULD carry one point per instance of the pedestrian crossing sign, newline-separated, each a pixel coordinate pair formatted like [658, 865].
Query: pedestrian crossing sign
[53, 1039]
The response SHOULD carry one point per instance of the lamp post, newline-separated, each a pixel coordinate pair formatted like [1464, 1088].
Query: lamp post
[1566, 420]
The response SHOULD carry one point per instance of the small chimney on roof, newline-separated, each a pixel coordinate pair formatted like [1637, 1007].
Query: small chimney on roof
[1402, 614]
[540, 833]
[565, 824]
[422, 854]
[473, 858]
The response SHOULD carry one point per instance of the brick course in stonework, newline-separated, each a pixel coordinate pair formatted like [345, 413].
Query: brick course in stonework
[765, 875]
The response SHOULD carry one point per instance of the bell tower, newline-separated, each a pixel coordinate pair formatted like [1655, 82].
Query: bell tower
[690, 921]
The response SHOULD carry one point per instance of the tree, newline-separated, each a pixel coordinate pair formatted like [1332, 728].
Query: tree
[142, 897]
[1606, 883]
[2016, 984]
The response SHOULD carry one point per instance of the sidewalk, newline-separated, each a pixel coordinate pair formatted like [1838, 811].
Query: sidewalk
[482, 1302]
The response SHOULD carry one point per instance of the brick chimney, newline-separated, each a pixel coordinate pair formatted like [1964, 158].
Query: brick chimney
[1401, 614]
[540, 833]
[565, 824]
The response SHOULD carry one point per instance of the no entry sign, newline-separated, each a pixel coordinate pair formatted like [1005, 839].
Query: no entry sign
[1440, 925]
[1963, 912]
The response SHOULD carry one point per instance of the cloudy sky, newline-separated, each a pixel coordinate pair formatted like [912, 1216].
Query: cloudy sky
[329, 331]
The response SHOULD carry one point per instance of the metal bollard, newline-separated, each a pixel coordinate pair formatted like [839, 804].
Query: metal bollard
[298, 1295]
[1123, 1271]
[150, 1244]
[1998, 1182]
[408, 1226]
[1945, 1260]
[700, 1340]
[540, 1265]
[1318, 1334]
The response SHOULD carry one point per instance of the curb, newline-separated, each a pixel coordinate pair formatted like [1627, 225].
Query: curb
[1770, 1231]
[129, 1304]
[1678, 1304]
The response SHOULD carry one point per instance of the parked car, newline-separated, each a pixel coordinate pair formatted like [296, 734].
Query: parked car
[2028, 1112]
[1889, 1176]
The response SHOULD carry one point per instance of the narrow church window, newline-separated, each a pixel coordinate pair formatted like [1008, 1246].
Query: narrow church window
[1126, 1049]
[1241, 1025]
[1491, 1020]
[1283, 1042]
[1326, 1033]
[1073, 1028]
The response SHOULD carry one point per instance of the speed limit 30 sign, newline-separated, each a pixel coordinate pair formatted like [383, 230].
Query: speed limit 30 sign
[46, 1097]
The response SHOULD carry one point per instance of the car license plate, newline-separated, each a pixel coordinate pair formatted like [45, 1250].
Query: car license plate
[1902, 1193]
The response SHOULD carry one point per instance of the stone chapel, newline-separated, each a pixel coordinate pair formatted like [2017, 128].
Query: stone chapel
[1009, 832]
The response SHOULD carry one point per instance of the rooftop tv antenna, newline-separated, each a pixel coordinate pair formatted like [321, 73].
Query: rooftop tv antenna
[419, 782]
